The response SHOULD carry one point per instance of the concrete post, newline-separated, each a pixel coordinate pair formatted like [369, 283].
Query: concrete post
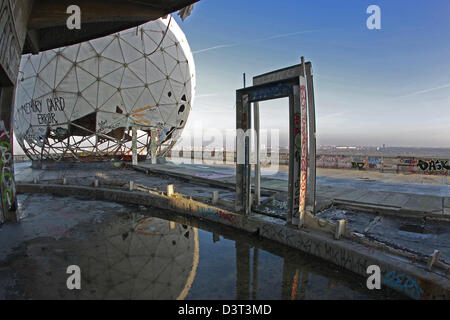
[248, 174]
[311, 191]
[294, 157]
[170, 190]
[304, 141]
[131, 185]
[433, 259]
[243, 166]
[153, 147]
[215, 197]
[340, 229]
[96, 182]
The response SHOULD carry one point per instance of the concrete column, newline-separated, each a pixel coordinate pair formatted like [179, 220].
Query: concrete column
[153, 147]
[294, 156]
[303, 142]
[257, 165]
[7, 182]
[243, 166]
[340, 229]
[311, 191]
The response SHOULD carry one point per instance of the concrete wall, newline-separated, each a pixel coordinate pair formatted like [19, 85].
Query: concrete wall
[406, 165]
[14, 16]
[387, 164]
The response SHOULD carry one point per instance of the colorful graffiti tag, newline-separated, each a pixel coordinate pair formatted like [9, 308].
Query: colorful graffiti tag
[398, 164]
[7, 173]
[403, 282]
[304, 150]
[433, 165]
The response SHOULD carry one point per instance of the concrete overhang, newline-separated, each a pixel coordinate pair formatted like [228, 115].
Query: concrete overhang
[47, 27]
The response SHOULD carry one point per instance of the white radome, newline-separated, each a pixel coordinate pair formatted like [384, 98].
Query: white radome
[83, 100]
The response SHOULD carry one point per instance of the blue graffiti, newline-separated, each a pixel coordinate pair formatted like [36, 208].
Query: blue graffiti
[403, 282]
[271, 92]
[208, 212]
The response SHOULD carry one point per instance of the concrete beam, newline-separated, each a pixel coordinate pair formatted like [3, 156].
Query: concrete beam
[98, 18]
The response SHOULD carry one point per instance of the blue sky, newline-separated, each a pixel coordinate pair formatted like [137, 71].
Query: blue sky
[372, 87]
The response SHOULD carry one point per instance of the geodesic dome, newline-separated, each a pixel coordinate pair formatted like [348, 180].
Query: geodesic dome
[82, 101]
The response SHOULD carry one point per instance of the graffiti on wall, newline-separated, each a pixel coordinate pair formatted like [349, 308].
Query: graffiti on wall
[374, 162]
[400, 165]
[304, 151]
[6, 167]
[403, 282]
[424, 166]
[217, 215]
[433, 165]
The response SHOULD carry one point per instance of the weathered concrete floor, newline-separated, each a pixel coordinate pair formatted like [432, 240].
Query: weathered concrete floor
[423, 236]
[416, 236]
[407, 197]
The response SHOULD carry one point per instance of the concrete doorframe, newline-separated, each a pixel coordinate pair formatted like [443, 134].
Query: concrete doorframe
[288, 82]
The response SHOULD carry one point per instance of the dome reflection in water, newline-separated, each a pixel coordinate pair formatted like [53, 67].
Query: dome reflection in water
[126, 252]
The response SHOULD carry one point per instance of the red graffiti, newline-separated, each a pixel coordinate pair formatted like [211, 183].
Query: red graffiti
[227, 216]
[304, 151]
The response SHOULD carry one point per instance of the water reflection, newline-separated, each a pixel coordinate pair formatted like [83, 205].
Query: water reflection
[135, 258]
[153, 254]
[153, 258]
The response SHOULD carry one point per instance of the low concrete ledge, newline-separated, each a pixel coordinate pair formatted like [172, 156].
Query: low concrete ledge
[408, 277]
[390, 210]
